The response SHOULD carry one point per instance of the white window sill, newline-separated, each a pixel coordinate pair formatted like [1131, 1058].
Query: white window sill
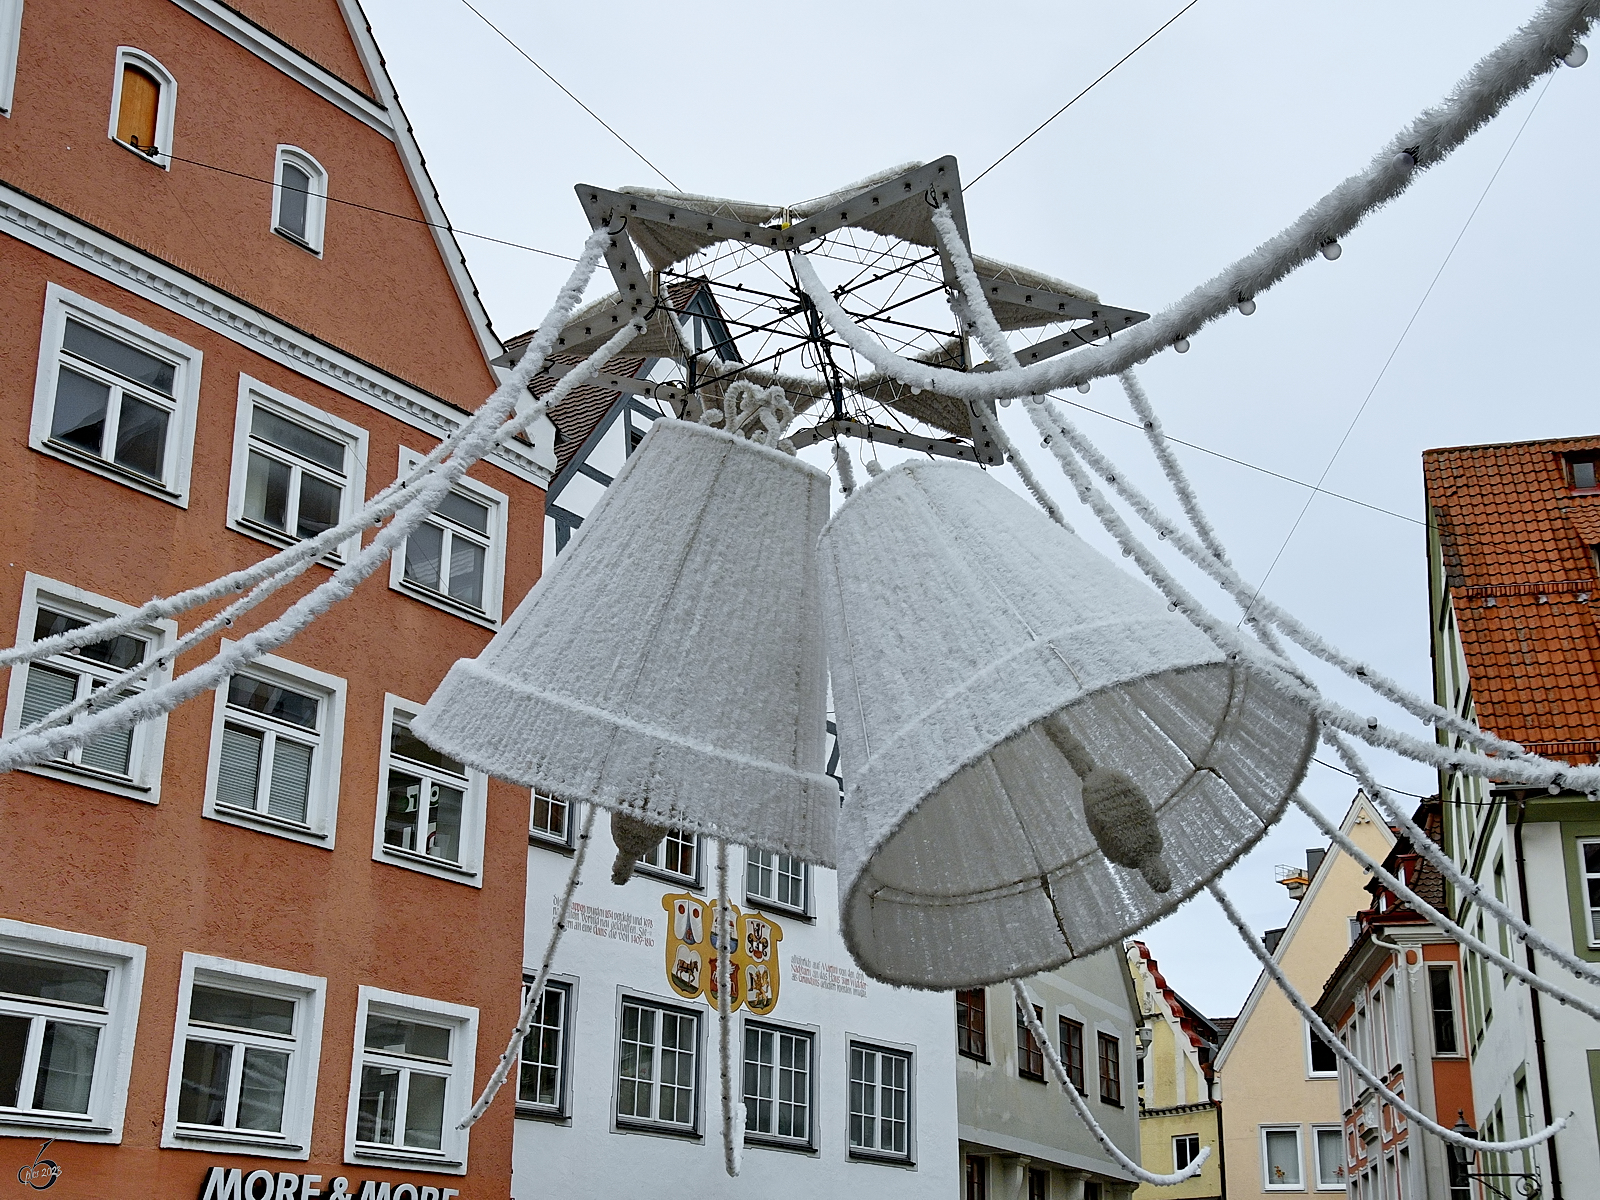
[657, 1128]
[298, 242]
[885, 1160]
[428, 865]
[549, 842]
[769, 1141]
[159, 158]
[541, 1112]
[109, 470]
[62, 1126]
[100, 781]
[446, 602]
[692, 882]
[777, 907]
[262, 822]
[234, 1141]
[416, 1160]
[277, 537]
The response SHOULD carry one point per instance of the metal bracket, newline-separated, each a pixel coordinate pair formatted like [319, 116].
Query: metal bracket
[845, 427]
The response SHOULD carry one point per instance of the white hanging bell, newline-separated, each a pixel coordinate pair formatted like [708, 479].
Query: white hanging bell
[1040, 759]
[671, 665]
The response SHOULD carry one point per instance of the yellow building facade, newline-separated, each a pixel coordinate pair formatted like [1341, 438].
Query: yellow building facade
[1280, 1089]
[1178, 1111]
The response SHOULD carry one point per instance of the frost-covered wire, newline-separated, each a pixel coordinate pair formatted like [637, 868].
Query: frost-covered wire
[1025, 1007]
[536, 993]
[155, 701]
[732, 1123]
[1170, 466]
[1443, 1132]
[1471, 889]
[1536, 48]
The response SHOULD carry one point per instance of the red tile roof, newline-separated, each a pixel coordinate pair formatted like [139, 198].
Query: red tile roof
[1518, 549]
[581, 412]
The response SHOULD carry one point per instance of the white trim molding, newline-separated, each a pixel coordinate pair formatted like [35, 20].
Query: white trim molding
[117, 1018]
[89, 249]
[302, 1045]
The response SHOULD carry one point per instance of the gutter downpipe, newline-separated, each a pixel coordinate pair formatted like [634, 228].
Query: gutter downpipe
[1538, 1018]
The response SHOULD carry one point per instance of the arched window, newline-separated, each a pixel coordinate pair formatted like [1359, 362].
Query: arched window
[142, 101]
[299, 198]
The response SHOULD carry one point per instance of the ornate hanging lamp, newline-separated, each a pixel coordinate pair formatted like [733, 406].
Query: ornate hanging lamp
[1040, 758]
[670, 667]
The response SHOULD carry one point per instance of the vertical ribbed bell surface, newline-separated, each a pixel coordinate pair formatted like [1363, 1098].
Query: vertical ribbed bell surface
[671, 664]
[1039, 757]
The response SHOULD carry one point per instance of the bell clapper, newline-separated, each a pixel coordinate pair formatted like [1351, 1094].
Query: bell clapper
[1118, 812]
[634, 839]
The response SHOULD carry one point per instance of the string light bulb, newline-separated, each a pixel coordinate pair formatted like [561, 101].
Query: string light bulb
[1406, 159]
[1181, 345]
[1084, 388]
[1577, 56]
[1247, 306]
[1331, 249]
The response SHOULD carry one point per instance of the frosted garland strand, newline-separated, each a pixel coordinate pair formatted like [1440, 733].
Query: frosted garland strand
[525, 1022]
[382, 505]
[1025, 1006]
[1534, 50]
[847, 473]
[1471, 889]
[142, 705]
[732, 1137]
[1170, 466]
[1443, 1132]
[1439, 920]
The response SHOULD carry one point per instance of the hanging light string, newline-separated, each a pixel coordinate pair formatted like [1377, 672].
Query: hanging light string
[479, 434]
[524, 1027]
[1318, 1026]
[1535, 49]
[1036, 1030]
[732, 1122]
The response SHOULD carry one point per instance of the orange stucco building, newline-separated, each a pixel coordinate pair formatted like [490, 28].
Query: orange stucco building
[270, 944]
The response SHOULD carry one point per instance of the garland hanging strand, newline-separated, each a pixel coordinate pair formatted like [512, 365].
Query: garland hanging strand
[847, 473]
[142, 705]
[1170, 466]
[1469, 888]
[1439, 920]
[732, 1123]
[1532, 51]
[536, 993]
[1025, 1007]
[1319, 1027]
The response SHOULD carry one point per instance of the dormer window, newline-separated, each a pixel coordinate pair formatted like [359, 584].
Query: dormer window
[300, 198]
[141, 106]
[1581, 471]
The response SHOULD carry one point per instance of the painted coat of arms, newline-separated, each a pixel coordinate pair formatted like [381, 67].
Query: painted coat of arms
[692, 952]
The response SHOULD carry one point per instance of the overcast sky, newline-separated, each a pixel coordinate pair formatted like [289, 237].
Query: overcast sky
[1198, 148]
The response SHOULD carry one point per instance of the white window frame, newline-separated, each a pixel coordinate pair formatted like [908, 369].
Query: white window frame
[254, 394]
[474, 809]
[10, 43]
[59, 304]
[451, 1158]
[1591, 932]
[322, 803]
[880, 1047]
[309, 993]
[1300, 1151]
[543, 837]
[757, 899]
[108, 1095]
[1311, 1073]
[808, 1033]
[494, 562]
[693, 880]
[635, 1124]
[316, 198]
[567, 985]
[1316, 1158]
[149, 736]
[1457, 1009]
[1184, 1137]
[165, 105]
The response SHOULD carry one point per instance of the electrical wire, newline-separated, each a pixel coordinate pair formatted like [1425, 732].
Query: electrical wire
[1076, 98]
[382, 212]
[1384, 370]
[506, 38]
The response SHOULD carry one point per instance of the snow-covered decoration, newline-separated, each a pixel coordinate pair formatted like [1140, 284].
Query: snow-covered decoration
[758, 413]
[409, 506]
[971, 639]
[1336, 1044]
[1533, 51]
[672, 665]
[634, 839]
[732, 1106]
[513, 1051]
[1025, 1009]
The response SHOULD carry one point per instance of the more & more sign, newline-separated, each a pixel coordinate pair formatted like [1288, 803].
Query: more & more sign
[234, 1183]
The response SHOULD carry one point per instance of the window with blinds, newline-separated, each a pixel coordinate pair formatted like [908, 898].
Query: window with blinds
[266, 763]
